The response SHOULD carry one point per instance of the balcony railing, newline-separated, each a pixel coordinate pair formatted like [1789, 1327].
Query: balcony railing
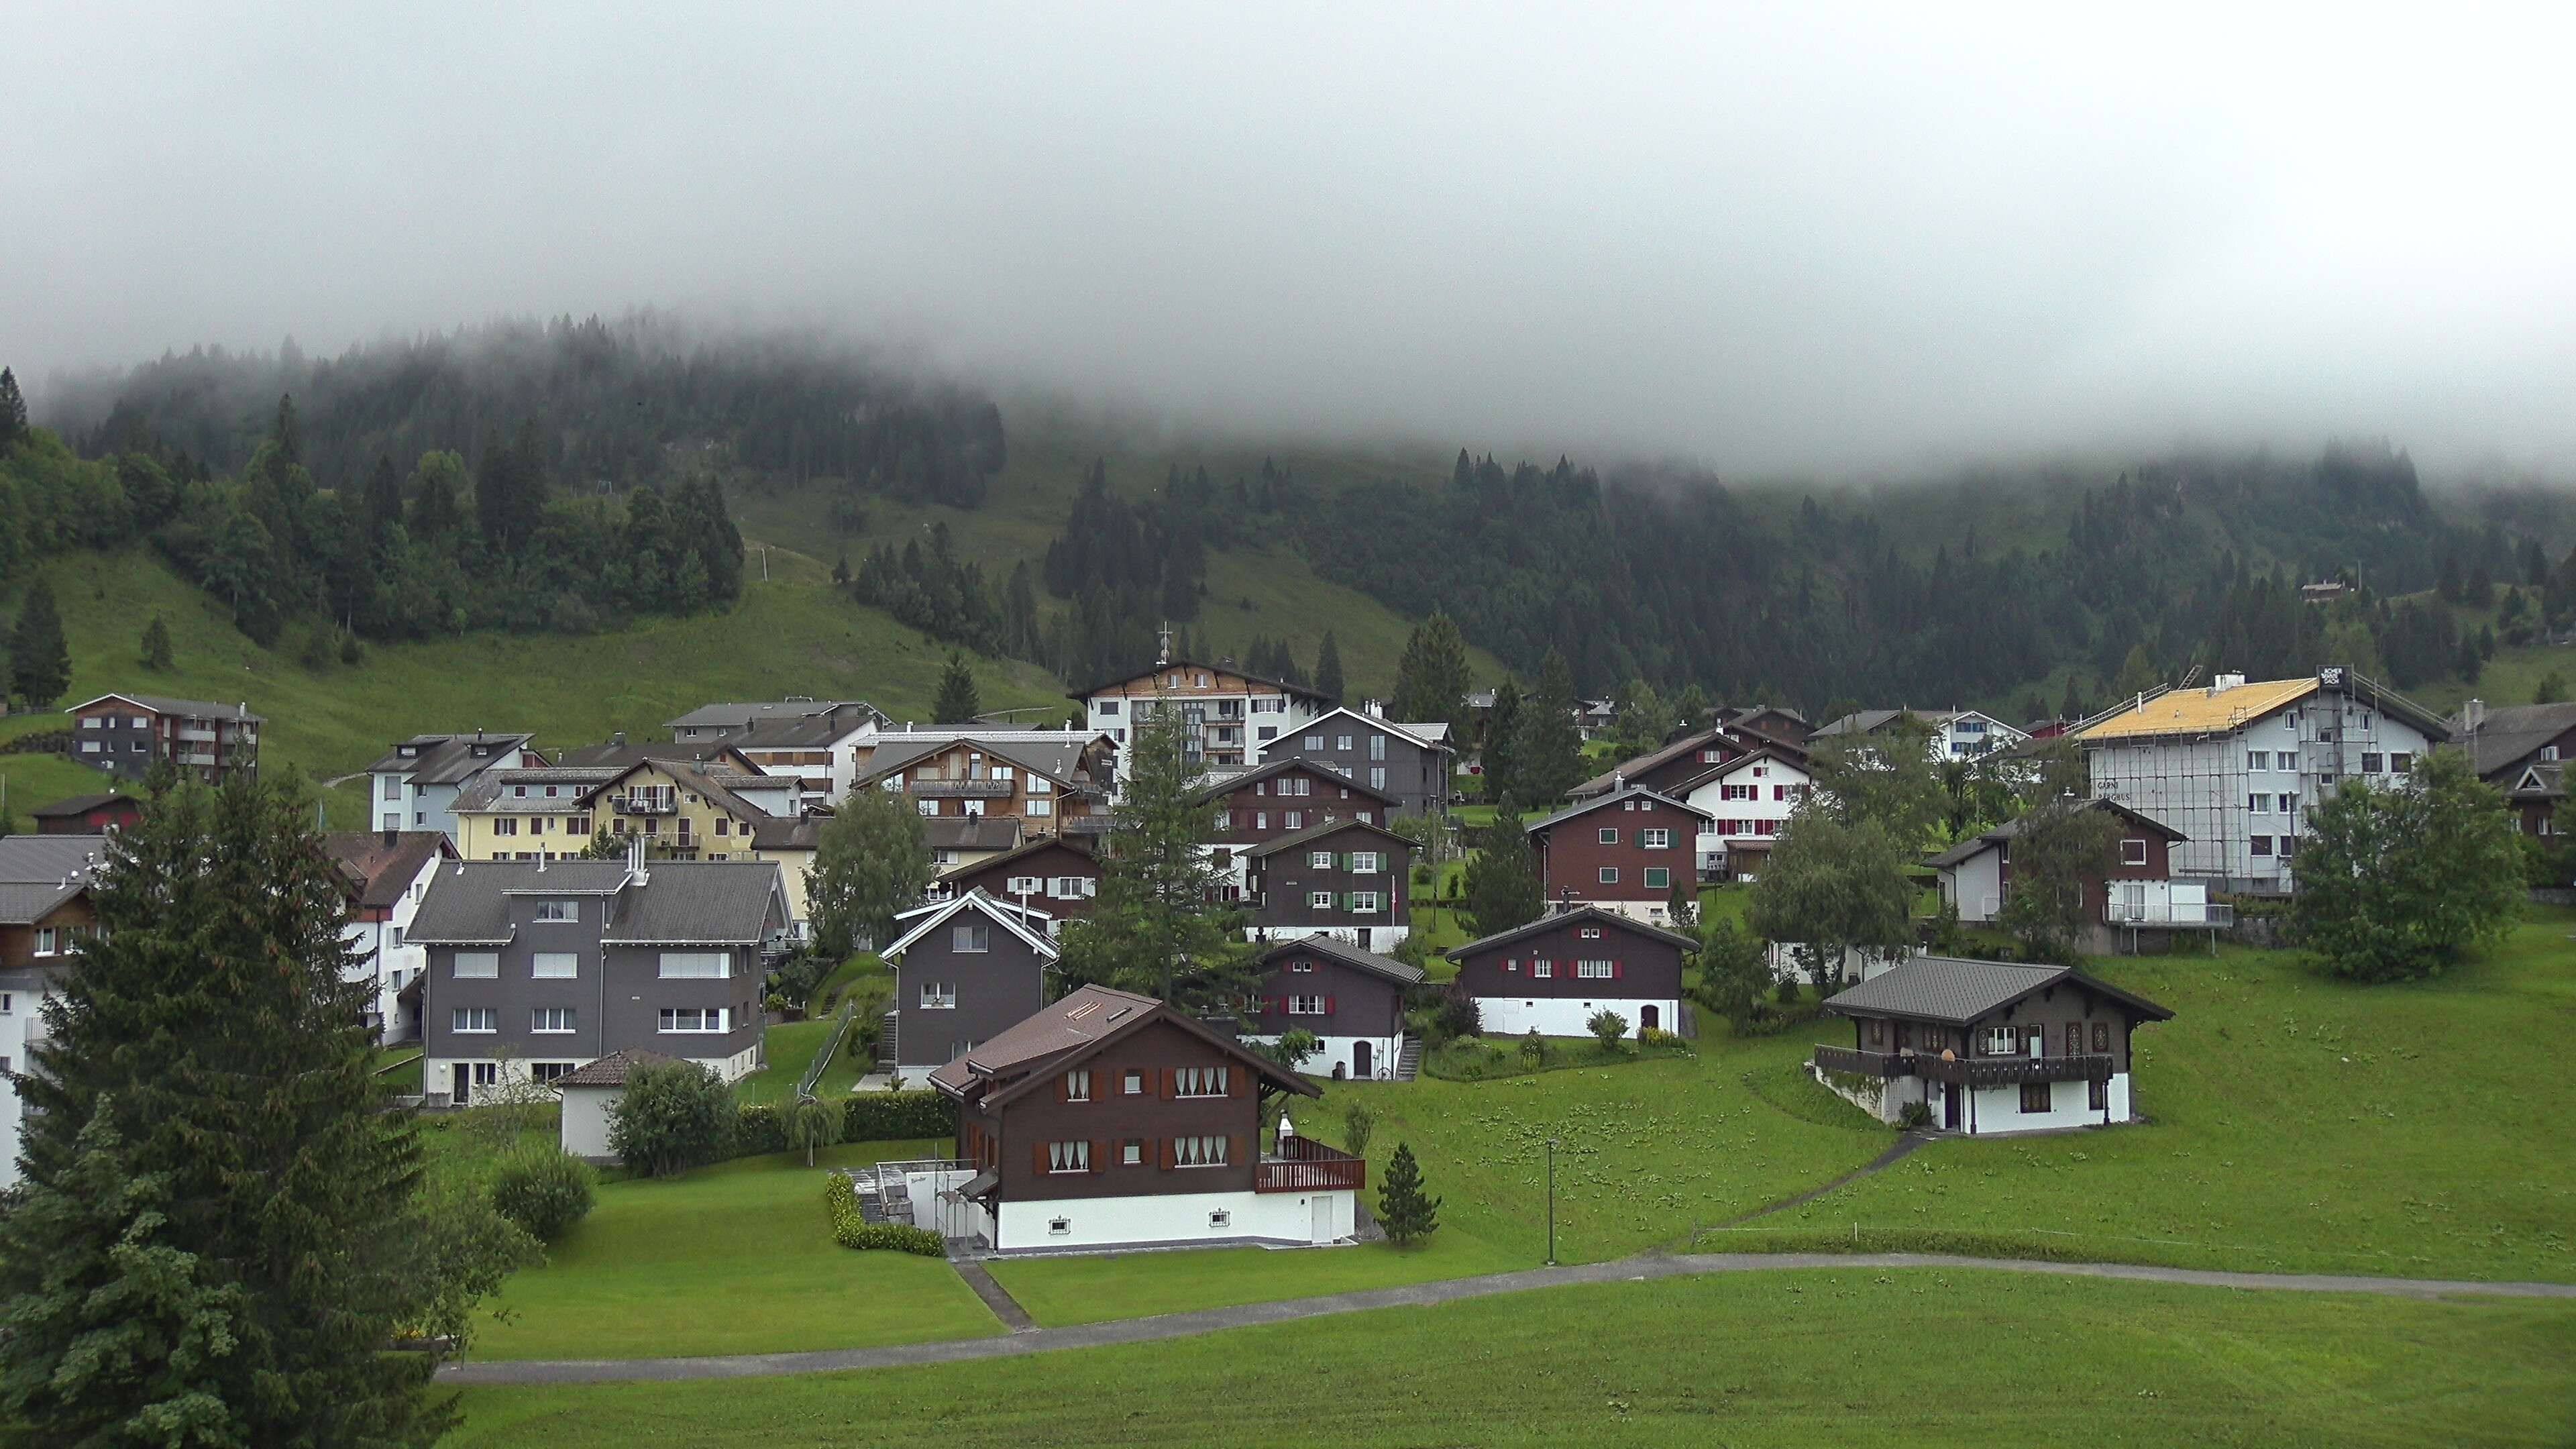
[943, 789]
[1083, 824]
[645, 804]
[1965, 1071]
[2219, 914]
[1303, 1164]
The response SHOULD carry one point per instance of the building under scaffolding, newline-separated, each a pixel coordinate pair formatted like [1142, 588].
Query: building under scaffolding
[2235, 765]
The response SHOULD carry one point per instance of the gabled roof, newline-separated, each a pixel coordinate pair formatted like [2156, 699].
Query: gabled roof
[1237, 670]
[611, 1070]
[1584, 915]
[48, 860]
[2540, 782]
[782, 833]
[972, 832]
[73, 806]
[1631, 792]
[496, 790]
[933, 917]
[448, 759]
[1775, 754]
[1957, 991]
[1088, 1018]
[731, 715]
[384, 869]
[681, 902]
[1078, 844]
[2012, 829]
[2197, 711]
[700, 754]
[1638, 765]
[1325, 946]
[2509, 736]
[1433, 736]
[1227, 784]
[191, 708]
[26, 903]
[1312, 833]
[1058, 757]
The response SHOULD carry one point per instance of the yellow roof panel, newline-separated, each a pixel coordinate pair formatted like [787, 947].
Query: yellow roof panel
[2198, 712]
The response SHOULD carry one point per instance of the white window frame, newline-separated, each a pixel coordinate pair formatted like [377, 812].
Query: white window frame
[460, 1019]
[555, 966]
[476, 966]
[1364, 903]
[1319, 860]
[540, 1017]
[693, 1020]
[1319, 900]
[1069, 1157]
[938, 996]
[1188, 1152]
[692, 966]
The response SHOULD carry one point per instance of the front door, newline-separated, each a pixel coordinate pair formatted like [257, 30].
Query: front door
[1360, 1060]
[1648, 1018]
[1322, 1231]
[464, 1084]
[1950, 1106]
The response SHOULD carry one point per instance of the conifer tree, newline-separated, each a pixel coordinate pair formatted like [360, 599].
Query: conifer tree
[13, 410]
[156, 644]
[1328, 668]
[40, 660]
[211, 1026]
[1406, 1212]
[957, 702]
[1159, 925]
[1549, 752]
[1431, 680]
[1502, 741]
[1501, 879]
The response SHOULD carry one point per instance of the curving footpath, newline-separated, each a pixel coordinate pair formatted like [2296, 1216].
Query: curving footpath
[1211, 1320]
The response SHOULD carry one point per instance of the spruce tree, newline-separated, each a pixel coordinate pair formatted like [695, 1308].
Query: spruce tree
[1549, 752]
[211, 1026]
[1502, 742]
[957, 702]
[156, 644]
[1159, 925]
[1502, 882]
[1403, 1209]
[1431, 681]
[13, 410]
[1328, 668]
[40, 661]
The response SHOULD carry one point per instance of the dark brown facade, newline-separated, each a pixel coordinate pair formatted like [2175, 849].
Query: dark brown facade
[126, 734]
[1299, 978]
[967, 979]
[1627, 846]
[1645, 963]
[1284, 798]
[1336, 876]
[1059, 875]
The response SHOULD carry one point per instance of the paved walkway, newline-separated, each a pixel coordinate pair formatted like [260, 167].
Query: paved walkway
[995, 1296]
[1896, 1153]
[1210, 1320]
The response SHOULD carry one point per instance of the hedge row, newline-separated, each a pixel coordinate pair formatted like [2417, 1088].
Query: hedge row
[865, 1117]
[851, 1230]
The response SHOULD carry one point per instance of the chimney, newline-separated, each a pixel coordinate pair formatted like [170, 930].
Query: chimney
[636, 874]
[390, 833]
[618, 738]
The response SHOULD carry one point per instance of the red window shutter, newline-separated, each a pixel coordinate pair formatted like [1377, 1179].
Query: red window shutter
[1618, 968]
[1171, 1083]
[1099, 1156]
[1163, 1153]
[1062, 1089]
[1328, 1003]
[1234, 1076]
[1038, 1156]
[1234, 1149]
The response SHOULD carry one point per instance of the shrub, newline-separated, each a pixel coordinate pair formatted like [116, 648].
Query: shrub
[544, 1191]
[1358, 1122]
[1533, 1050]
[758, 1130]
[884, 1116]
[811, 1124]
[851, 1230]
[1914, 1114]
[1457, 1012]
[672, 1117]
[1658, 1038]
[1608, 1025]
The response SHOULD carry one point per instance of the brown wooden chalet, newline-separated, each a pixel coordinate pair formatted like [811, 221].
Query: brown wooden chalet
[1343, 876]
[1285, 797]
[1625, 850]
[1057, 874]
[1553, 973]
[1350, 1000]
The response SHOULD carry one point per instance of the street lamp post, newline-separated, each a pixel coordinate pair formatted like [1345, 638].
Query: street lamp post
[1551, 1202]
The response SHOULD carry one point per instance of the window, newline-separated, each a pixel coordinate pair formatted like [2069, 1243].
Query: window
[1314, 742]
[1609, 835]
[1655, 839]
[1299, 967]
[1364, 862]
[474, 1019]
[2548, 754]
[939, 996]
[478, 965]
[1742, 792]
[393, 787]
[1542, 968]
[1592, 933]
[1363, 902]
[696, 965]
[1067, 887]
[505, 826]
[1319, 900]
[1260, 819]
[2370, 763]
[1132, 1153]
[2003, 1041]
[1038, 808]
[1068, 1157]
[693, 1018]
[1107, 706]
[2034, 1096]
[971, 807]
[1659, 877]
[1609, 875]
[557, 966]
[1293, 820]
[1077, 1085]
[1320, 859]
[2133, 852]
[2259, 804]
[1199, 1081]
[2286, 760]
[577, 825]
[1198, 1152]
[1132, 1084]
[927, 807]
[46, 939]
[2097, 1096]
[2289, 846]
[2260, 845]
[971, 938]
[1025, 885]
[1596, 970]
[548, 1071]
[1305, 1006]
[1377, 747]
[550, 1020]
[1377, 777]
[2401, 763]
[2258, 759]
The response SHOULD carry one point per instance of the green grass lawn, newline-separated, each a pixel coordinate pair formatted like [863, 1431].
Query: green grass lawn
[792, 1045]
[1789, 1359]
[735, 1258]
[1058, 1291]
[401, 1067]
[2299, 1123]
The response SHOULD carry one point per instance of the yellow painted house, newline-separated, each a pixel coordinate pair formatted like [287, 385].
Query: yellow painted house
[549, 814]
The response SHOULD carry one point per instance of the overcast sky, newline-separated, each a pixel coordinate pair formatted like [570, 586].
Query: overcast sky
[1795, 238]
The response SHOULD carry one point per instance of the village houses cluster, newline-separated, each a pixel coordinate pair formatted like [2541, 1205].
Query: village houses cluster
[497, 933]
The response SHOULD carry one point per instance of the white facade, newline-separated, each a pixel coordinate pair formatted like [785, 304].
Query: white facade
[1565, 1016]
[397, 802]
[388, 961]
[2240, 796]
[1176, 1219]
[844, 754]
[484, 1074]
[1380, 939]
[585, 1121]
[1987, 1111]
[1749, 800]
[1336, 1056]
[20, 1027]
[1234, 725]
[1968, 734]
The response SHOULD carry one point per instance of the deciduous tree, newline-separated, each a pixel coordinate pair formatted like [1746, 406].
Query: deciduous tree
[871, 860]
[1831, 888]
[2399, 881]
[2061, 849]
[672, 1116]
[1887, 776]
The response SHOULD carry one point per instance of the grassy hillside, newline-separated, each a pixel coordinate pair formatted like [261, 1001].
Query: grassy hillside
[790, 634]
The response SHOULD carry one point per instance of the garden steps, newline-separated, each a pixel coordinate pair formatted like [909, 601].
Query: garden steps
[1409, 1060]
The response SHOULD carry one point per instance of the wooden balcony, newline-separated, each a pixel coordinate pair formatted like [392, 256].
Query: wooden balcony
[645, 804]
[1855, 1062]
[973, 789]
[1965, 1071]
[1306, 1165]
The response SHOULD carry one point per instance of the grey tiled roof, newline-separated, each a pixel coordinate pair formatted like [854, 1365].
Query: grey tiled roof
[2012, 829]
[732, 715]
[1083, 1016]
[45, 859]
[74, 805]
[1386, 966]
[1058, 757]
[1226, 782]
[2508, 735]
[447, 759]
[1296, 838]
[190, 708]
[971, 832]
[26, 904]
[1959, 991]
[1614, 797]
[611, 1070]
[1591, 914]
[716, 902]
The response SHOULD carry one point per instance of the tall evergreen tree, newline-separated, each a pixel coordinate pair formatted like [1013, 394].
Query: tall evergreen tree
[210, 1025]
[957, 702]
[156, 644]
[1159, 925]
[510, 490]
[1431, 681]
[1406, 1211]
[1501, 880]
[1548, 756]
[1328, 668]
[1502, 742]
[40, 659]
[13, 410]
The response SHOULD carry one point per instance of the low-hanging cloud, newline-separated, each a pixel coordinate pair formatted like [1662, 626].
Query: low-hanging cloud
[1776, 239]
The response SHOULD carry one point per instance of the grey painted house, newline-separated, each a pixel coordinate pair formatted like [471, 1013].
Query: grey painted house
[1409, 761]
[966, 970]
[539, 966]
